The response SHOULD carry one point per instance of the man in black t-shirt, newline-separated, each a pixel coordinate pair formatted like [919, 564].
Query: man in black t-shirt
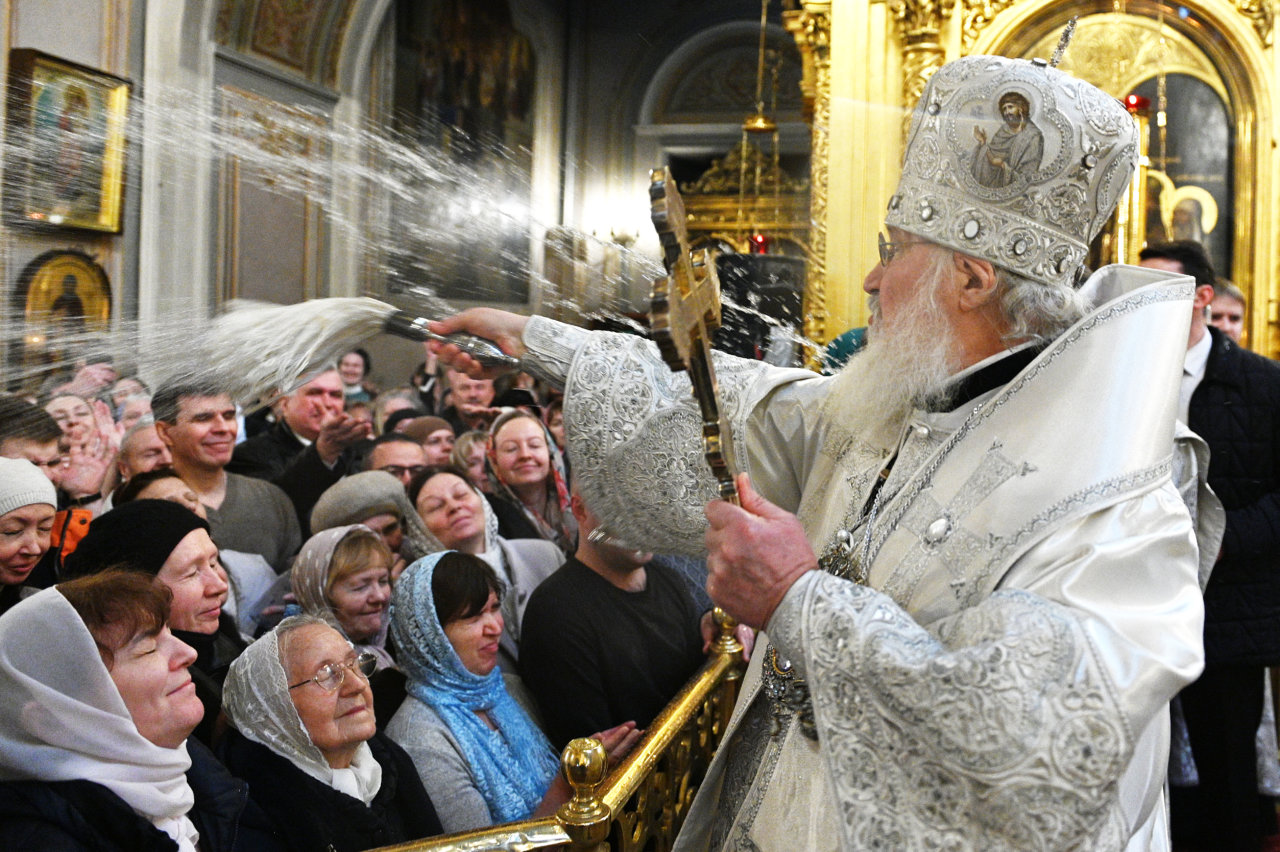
[608, 638]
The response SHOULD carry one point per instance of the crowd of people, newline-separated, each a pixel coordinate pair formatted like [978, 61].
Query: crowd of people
[299, 629]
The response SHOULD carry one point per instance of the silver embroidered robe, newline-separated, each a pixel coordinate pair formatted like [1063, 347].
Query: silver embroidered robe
[1001, 682]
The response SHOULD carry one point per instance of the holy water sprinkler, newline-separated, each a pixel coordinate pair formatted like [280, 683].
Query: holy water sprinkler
[263, 350]
[405, 324]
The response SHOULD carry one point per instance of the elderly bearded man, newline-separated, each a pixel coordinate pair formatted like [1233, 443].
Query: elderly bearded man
[1009, 593]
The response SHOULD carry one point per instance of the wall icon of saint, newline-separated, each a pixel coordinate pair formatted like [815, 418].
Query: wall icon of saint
[1013, 152]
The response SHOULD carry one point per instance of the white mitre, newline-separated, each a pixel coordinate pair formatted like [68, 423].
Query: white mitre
[1028, 193]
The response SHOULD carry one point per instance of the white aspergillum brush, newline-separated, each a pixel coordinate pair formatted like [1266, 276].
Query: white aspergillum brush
[264, 350]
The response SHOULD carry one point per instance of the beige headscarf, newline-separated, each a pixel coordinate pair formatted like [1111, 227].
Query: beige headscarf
[358, 497]
[310, 576]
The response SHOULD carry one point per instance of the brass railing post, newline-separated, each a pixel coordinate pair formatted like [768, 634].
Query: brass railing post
[727, 642]
[585, 817]
[643, 803]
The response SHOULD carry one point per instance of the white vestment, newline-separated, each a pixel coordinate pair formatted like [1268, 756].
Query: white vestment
[1031, 603]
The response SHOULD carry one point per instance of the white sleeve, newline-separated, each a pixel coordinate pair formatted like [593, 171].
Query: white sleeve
[635, 433]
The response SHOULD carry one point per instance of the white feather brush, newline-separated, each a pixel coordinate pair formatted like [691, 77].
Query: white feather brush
[264, 350]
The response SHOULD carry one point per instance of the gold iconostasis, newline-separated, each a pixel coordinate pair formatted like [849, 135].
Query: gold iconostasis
[1201, 78]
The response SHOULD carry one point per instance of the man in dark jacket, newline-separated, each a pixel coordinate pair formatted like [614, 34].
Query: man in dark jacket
[1231, 398]
[305, 452]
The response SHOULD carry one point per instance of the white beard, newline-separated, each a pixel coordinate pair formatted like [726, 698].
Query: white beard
[906, 365]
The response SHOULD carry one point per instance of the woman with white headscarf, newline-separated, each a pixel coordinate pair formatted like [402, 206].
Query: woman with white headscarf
[96, 706]
[166, 540]
[303, 729]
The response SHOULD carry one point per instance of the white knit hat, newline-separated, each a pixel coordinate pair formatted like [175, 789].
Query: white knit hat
[22, 484]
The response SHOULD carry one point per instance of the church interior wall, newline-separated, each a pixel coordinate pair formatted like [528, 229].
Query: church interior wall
[103, 34]
[626, 49]
[197, 232]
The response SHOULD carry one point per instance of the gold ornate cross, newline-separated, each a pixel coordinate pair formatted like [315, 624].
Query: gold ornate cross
[685, 310]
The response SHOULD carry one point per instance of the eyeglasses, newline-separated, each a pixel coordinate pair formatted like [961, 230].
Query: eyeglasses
[399, 470]
[889, 250]
[330, 677]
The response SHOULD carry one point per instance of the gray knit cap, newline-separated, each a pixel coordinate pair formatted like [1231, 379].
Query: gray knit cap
[22, 484]
[356, 498]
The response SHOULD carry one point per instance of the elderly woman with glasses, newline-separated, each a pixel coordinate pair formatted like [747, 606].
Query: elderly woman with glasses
[303, 728]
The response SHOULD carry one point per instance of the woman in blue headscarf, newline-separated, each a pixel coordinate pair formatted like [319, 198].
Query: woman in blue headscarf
[480, 755]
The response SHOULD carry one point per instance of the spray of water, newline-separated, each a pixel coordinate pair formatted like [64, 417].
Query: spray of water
[429, 229]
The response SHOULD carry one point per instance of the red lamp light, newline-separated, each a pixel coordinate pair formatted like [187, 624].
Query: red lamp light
[1136, 103]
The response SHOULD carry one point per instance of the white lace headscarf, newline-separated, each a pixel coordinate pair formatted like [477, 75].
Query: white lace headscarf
[62, 718]
[257, 701]
[309, 578]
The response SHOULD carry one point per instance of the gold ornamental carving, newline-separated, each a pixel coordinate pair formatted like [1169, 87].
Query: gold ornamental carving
[1118, 52]
[744, 169]
[922, 52]
[1262, 14]
[811, 27]
[279, 131]
[975, 17]
[812, 32]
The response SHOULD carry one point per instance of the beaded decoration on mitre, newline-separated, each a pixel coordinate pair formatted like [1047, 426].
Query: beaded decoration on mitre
[1015, 162]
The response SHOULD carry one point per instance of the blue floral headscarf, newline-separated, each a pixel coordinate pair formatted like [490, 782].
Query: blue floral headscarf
[513, 765]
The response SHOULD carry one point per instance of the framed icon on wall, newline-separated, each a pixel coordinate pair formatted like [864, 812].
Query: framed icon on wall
[66, 134]
[64, 299]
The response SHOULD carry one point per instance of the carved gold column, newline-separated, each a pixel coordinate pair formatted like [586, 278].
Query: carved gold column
[921, 23]
[811, 28]
[1129, 229]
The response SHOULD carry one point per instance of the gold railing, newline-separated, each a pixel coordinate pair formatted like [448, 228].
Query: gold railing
[644, 800]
